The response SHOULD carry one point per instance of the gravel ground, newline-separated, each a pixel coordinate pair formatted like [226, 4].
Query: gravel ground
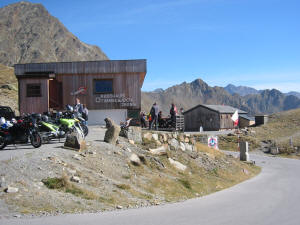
[108, 180]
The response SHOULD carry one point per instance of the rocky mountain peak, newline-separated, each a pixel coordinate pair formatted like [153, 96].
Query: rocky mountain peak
[28, 33]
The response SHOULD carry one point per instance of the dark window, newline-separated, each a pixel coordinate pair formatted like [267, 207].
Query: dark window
[103, 86]
[34, 90]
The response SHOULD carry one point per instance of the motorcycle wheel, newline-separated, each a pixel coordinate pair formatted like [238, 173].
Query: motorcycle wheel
[2, 143]
[36, 140]
[85, 129]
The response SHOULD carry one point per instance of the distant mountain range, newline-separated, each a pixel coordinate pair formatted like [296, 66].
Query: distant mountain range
[187, 95]
[30, 34]
[244, 90]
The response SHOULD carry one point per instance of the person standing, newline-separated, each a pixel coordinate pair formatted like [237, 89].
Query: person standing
[78, 106]
[85, 113]
[143, 119]
[154, 114]
[173, 113]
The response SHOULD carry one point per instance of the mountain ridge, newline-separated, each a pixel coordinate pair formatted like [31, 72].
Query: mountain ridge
[29, 34]
[187, 95]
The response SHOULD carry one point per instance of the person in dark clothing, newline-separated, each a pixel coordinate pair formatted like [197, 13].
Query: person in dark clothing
[143, 119]
[160, 120]
[85, 113]
[173, 113]
[154, 115]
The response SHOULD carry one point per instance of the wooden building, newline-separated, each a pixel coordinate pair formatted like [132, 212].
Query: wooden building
[210, 117]
[246, 121]
[110, 88]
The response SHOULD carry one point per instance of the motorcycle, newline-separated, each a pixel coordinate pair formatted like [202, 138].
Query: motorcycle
[20, 132]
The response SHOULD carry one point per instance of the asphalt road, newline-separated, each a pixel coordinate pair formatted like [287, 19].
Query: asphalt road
[271, 198]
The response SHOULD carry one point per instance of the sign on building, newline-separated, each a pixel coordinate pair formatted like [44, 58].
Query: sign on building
[212, 142]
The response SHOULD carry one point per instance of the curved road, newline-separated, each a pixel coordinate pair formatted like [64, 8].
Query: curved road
[271, 198]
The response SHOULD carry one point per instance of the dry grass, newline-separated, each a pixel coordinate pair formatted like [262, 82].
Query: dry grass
[63, 184]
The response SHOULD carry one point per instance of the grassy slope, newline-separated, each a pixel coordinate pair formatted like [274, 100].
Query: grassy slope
[8, 97]
[280, 128]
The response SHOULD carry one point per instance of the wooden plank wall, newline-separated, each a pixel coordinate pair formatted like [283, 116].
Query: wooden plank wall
[123, 83]
[86, 67]
[33, 104]
[225, 121]
[201, 116]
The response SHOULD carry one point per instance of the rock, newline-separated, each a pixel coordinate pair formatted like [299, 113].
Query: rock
[158, 151]
[119, 207]
[131, 142]
[175, 135]
[274, 150]
[187, 135]
[165, 137]
[188, 147]
[75, 141]
[174, 144]
[158, 143]
[177, 165]
[75, 179]
[181, 138]
[77, 157]
[135, 160]
[128, 149]
[186, 140]
[147, 136]
[155, 137]
[181, 146]
[17, 216]
[112, 132]
[10, 189]
[134, 133]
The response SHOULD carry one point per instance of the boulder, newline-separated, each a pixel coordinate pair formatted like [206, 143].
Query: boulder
[155, 137]
[181, 146]
[174, 144]
[181, 138]
[10, 189]
[274, 150]
[158, 143]
[147, 136]
[134, 133]
[188, 147]
[162, 150]
[75, 141]
[131, 142]
[75, 179]
[112, 132]
[186, 140]
[135, 160]
[177, 165]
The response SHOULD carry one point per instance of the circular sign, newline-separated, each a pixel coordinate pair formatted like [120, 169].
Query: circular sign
[213, 142]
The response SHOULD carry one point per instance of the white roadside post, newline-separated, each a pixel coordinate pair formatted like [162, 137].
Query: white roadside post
[244, 151]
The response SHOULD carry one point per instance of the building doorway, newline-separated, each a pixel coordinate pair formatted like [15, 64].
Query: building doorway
[55, 94]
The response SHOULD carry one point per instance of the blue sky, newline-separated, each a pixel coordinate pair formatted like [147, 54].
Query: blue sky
[244, 42]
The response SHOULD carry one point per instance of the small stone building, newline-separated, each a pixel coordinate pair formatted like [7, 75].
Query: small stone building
[210, 117]
[261, 119]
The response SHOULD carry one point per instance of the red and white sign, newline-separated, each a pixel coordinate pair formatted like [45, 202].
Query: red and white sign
[81, 90]
[235, 118]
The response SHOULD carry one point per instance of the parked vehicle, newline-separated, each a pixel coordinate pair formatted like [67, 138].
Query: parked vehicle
[19, 132]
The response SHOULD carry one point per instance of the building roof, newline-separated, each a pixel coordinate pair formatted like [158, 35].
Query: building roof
[219, 109]
[250, 118]
[82, 68]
